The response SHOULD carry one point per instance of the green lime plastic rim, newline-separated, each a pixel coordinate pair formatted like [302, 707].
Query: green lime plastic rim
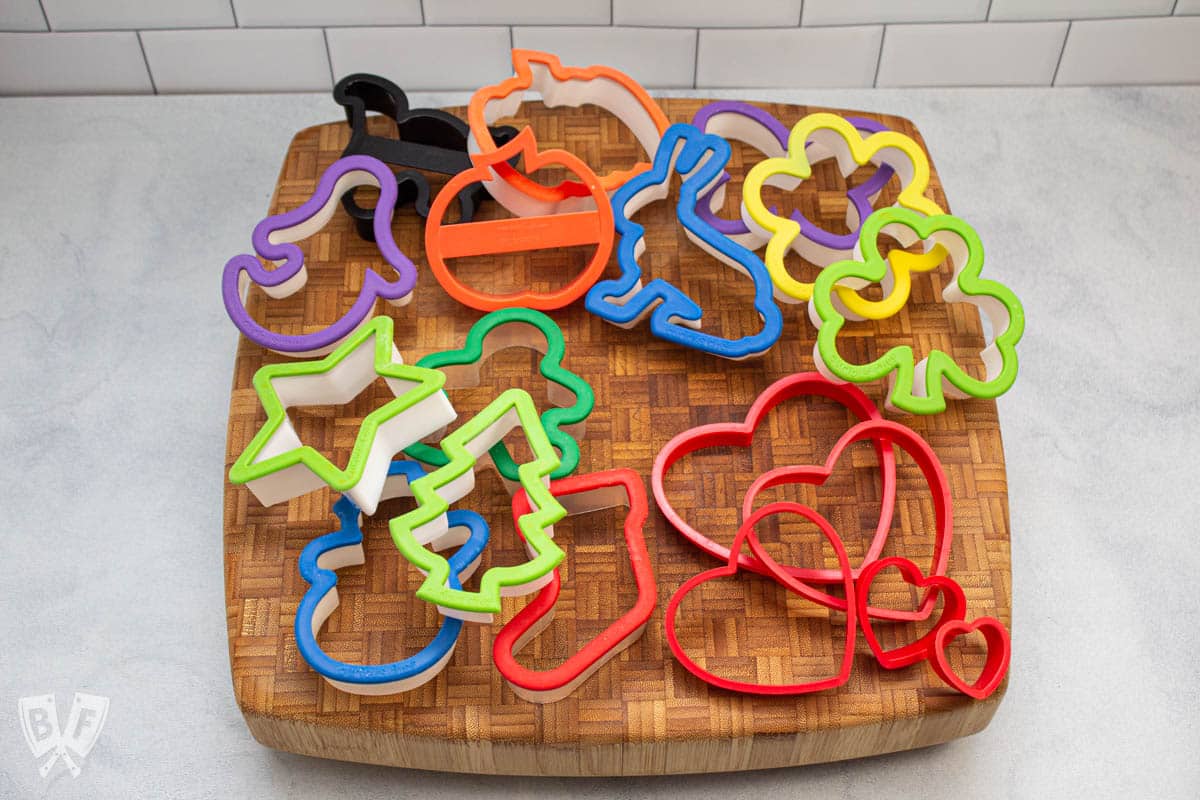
[533, 477]
[929, 398]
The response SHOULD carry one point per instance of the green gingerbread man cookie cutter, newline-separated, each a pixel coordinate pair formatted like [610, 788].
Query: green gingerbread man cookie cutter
[921, 388]
[571, 395]
[435, 493]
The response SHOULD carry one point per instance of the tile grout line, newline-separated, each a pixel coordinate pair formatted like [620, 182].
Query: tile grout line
[1061, 53]
[879, 58]
[696, 60]
[328, 58]
[146, 61]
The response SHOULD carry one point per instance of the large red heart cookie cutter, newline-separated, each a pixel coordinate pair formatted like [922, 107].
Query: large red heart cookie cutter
[887, 433]
[552, 230]
[580, 494]
[746, 535]
[741, 434]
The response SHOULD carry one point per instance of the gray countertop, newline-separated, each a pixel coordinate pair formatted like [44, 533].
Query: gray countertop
[119, 212]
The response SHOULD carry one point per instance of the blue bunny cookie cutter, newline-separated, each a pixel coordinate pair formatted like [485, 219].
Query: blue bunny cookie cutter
[343, 548]
[700, 159]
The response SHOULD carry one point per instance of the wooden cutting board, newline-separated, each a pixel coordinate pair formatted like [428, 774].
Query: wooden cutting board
[642, 713]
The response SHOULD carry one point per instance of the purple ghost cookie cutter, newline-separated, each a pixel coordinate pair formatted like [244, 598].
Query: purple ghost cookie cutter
[274, 239]
[759, 129]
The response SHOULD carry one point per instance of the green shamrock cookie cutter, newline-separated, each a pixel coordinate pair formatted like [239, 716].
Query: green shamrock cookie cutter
[435, 492]
[571, 395]
[277, 466]
[921, 388]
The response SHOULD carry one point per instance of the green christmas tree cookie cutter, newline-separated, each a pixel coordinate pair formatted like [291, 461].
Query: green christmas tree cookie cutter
[435, 492]
[571, 395]
[921, 388]
[277, 466]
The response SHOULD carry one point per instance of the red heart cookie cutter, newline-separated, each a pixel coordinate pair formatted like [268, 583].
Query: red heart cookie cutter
[741, 434]
[999, 651]
[887, 433]
[580, 494]
[954, 608]
[593, 226]
[746, 535]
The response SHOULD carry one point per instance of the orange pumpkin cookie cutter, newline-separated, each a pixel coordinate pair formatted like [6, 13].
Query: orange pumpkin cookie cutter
[608, 88]
[551, 230]
[580, 494]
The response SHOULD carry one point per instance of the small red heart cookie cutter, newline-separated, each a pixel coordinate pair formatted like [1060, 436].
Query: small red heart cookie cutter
[580, 494]
[890, 434]
[741, 434]
[949, 625]
[747, 535]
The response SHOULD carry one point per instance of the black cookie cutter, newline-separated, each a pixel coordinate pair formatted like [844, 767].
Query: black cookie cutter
[427, 139]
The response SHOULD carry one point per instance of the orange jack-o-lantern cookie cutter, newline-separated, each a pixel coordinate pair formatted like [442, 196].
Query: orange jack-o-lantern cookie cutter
[551, 230]
[608, 88]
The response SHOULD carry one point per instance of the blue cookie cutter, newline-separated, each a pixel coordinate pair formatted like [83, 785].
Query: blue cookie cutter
[343, 548]
[700, 159]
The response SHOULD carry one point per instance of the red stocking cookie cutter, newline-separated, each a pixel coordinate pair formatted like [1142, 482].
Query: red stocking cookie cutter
[770, 567]
[887, 434]
[551, 230]
[741, 434]
[580, 494]
[602, 86]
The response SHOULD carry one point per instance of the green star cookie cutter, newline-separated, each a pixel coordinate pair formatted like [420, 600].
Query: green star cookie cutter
[276, 466]
[571, 395]
[921, 388]
[435, 492]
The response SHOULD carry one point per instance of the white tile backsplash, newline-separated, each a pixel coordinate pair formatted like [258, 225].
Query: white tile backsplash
[517, 12]
[972, 54]
[866, 12]
[248, 60]
[423, 58]
[21, 15]
[795, 57]
[286, 13]
[1076, 9]
[690, 14]
[656, 57]
[448, 45]
[1132, 51]
[72, 63]
[96, 15]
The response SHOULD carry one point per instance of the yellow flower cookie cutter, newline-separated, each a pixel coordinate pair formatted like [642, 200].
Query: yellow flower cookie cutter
[813, 139]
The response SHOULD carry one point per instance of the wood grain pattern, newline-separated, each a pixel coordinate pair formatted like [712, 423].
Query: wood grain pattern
[641, 713]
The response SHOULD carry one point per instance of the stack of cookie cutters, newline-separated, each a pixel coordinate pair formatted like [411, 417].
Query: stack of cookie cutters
[580, 494]
[323, 556]
[569, 394]
[274, 240]
[427, 140]
[276, 466]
